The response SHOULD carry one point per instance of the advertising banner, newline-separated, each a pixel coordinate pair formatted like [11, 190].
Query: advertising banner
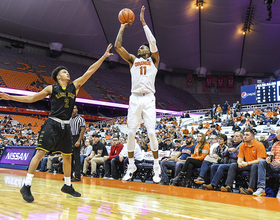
[248, 94]
[17, 157]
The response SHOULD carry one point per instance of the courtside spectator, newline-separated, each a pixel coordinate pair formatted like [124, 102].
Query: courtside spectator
[201, 150]
[177, 161]
[215, 157]
[271, 164]
[230, 155]
[250, 153]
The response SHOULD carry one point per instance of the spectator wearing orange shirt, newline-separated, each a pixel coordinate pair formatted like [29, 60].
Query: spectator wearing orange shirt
[271, 164]
[201, 150]
[206, 125]
[250, 153]
[192, 131]
[218, 109]
[208, 132]
[185, 131]
[269, 114]
[257, 111]
[217, 127]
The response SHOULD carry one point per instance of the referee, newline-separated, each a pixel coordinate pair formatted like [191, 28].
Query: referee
[77, 124]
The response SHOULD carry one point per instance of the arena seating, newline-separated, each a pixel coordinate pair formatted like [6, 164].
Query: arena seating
[19, 80]
[105, 84]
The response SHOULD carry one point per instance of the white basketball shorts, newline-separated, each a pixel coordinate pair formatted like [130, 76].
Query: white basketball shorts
[142, 106]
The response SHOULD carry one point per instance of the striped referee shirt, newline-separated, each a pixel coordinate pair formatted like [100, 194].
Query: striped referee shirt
[76, 123]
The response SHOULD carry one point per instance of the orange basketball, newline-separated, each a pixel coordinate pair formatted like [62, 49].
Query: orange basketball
[125, 15]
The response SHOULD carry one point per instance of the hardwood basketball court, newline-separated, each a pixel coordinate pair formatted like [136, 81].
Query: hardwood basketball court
[114, 199]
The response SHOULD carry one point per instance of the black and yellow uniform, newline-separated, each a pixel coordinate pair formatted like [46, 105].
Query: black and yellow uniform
[55, 134]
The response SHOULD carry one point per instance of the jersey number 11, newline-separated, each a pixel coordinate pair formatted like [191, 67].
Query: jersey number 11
[143, 68]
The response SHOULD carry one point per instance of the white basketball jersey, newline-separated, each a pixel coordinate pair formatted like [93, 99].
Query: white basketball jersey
[143, 75]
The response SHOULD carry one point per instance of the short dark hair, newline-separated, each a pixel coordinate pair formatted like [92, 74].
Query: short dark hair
[250, 130]
[56, 71]
[148, 45]
[95, 135]
[223, 136]
[116, 136]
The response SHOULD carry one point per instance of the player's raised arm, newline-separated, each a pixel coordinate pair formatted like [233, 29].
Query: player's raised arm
[150, 37]
[28, 99]
[120, 49]
[92, 69]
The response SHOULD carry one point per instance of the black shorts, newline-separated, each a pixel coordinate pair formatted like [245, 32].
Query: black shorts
[53, 138]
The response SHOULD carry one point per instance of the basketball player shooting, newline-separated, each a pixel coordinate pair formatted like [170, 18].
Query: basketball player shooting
[55, 134]
[143, 71]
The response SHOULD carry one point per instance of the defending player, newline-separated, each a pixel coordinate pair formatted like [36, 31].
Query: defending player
[142, 100]
[55, 135]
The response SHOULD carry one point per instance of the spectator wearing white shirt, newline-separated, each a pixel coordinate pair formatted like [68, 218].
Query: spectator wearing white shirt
[86, 151]
[119, 163]
[267, 128]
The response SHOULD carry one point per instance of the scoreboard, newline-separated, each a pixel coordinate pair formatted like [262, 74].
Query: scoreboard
[261, 93]
[266, 92]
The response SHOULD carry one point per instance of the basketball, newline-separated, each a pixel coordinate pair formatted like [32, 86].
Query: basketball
[125, 15]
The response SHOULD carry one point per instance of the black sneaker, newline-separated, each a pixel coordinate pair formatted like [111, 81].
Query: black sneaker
[74, 179]
[246, 191]
[26, 193]
[164, 183]
[70, 190]
[83, 174]
[94, 175]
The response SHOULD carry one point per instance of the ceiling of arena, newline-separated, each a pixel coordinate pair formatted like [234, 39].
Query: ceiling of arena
[210, 39]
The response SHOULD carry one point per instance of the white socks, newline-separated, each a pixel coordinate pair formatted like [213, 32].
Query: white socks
[156, 162]
[131, 161]
[28, 179]
[67, 180]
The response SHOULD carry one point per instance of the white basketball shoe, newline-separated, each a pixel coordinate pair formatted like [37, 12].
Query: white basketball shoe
[157, 173]
[129, 172]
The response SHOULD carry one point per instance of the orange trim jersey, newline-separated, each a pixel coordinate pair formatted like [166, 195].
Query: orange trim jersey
[253, 152]
[143, 75]
[205, 152]
[276, 150]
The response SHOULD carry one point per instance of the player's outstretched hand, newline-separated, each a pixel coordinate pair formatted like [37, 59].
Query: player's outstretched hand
[127, 24]
[142, 19]
[4, 96]
[107, 53]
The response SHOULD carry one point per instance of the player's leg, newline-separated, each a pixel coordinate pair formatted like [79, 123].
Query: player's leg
[25, 190]
[133, 120]
[149, 117]
[67, 187]
[44, 144]
[65, 146]
[131, 168]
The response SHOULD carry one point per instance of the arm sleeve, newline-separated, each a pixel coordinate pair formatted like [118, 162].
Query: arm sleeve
[151, 39]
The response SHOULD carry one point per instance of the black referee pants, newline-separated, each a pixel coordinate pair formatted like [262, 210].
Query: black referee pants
[76, 160]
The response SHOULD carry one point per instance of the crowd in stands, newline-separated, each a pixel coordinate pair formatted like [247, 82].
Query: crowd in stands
[196, 154]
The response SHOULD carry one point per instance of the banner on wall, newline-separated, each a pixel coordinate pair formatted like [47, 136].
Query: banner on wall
[208, 81]
[220, 82]
[17, 157]
[230, 81]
